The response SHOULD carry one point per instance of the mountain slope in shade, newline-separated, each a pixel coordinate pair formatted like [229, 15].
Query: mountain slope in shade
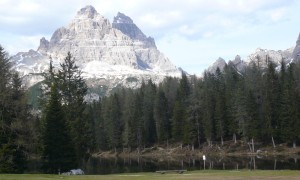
[109, 55]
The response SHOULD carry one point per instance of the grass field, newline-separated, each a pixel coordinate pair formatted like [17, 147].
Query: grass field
[208, 174]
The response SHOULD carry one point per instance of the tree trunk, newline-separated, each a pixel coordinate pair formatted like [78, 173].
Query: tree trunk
[234, 138]
[294, 144]
[252, 145]
[222, 142]
[274, 146]
[198, 130]
[167, 143]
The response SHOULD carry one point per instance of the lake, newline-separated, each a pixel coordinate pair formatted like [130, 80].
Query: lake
[129, 165]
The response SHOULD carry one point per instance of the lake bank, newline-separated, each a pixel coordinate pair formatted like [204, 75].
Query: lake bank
[227, 149]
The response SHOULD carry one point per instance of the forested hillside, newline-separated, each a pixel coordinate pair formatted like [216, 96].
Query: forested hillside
[257, 104]
[260, 104]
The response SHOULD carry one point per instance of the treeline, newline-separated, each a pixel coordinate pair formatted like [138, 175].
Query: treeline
[58, 133]
[258, 103]
[16, 122]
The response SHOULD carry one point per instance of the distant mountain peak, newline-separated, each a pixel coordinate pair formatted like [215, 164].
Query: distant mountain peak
[126, 25]
[108, 55]
[296, 52]
[122, 18]
[87, 12]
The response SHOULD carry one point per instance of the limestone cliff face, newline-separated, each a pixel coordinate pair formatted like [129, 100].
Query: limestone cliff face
[262, 56]
[296, 51]
[102, 50]
[126, 26]
[219, 63]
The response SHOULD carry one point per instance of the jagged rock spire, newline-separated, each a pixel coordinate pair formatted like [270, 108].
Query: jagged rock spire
[296, 52]
[125, 24]
[87, 12]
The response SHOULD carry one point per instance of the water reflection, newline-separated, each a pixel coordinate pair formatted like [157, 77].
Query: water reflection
[141, 164]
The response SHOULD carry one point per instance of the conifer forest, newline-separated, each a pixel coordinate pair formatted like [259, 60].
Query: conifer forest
[259, 103]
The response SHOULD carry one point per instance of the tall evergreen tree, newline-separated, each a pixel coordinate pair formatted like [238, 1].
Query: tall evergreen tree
[14, 120]
[114, 124]
[73, 89]
[271, 99]
[161, 117]
[148, 114]
[220, 108]
[58, 153]
[290, 111]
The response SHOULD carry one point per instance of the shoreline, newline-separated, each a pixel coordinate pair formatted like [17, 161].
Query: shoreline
[228, 149]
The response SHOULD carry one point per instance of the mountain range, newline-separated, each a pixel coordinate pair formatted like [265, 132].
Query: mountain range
[108, 54]
[261, 57]
[117, 54]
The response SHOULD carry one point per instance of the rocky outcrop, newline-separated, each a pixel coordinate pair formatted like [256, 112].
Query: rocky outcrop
[296, 51]
[101, 50]
[126, 26]
[238, 63]
[219, 63]
[44, 46]
[262, 56]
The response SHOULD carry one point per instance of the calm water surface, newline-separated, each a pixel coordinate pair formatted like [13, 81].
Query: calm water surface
[128, 165]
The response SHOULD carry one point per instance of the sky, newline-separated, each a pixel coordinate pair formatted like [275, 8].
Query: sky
[191, 33]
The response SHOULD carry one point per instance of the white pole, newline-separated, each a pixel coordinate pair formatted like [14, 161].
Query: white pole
[204, 158]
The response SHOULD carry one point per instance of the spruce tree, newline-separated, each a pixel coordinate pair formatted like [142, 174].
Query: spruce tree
[148, 114]
[73, 89]
[290, 111]
[161, 116]
[14, 120]
[58, 152]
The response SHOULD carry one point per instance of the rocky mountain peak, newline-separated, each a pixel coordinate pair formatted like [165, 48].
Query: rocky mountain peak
[44, 45]
[296, 52]
[219, 63]
[263, 56]
[237, 58]
[125, 25]
[122, 18]
[87, 12]
[108, 56]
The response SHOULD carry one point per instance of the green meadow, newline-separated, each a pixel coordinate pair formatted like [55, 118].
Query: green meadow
[207, 174]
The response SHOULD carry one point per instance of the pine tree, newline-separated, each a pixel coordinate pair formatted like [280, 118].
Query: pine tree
[208, 107]
[271, 99]
[148, 114]
[179, 116]
[161, 116]
[290, 114]
[58, 153]
[114, 124]
[14, 120]
[72, 90]
[128, 118]
[220, 108]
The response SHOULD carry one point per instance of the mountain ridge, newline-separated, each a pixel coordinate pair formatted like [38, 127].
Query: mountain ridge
[261, 57]
[113, 52]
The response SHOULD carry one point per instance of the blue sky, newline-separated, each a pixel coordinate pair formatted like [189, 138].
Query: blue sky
[192, 33]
